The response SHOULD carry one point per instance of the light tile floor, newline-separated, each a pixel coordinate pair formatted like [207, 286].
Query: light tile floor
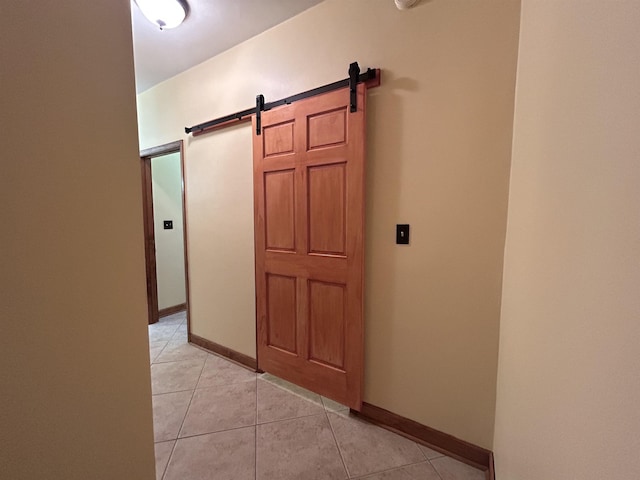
[214, 419]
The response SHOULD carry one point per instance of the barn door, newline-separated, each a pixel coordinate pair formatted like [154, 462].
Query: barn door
[309, 237]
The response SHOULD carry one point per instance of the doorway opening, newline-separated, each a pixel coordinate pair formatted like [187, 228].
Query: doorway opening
[164, 216]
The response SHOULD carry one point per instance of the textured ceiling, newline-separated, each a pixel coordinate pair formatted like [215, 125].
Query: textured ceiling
[211, 27]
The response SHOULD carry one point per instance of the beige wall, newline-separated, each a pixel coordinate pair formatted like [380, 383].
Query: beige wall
[439, 147]
[167, 205]
[76, 395]
[569, 369]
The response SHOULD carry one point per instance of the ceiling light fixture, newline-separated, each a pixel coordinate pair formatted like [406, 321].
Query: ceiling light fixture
[405, 4]
[164, 13]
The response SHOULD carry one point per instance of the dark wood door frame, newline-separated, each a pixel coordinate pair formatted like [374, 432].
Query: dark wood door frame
[149, 240]
[149, 232]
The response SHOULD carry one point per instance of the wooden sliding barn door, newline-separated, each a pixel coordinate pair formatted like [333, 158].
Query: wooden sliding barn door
[309, 237]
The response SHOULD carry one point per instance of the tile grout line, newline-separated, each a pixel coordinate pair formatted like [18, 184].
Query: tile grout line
[429, 459]
[224, 384]
[222, 357]
[210, 433]
[330, 410]
[400, 467]
[159, 324]
[291, 390]
[421, 451]
[153, 362]
[190, 400]
[164, 472]
[182, 359]
[220, 385]
[393, 469]
[256, 423]
[175, 442]
[290, 418]
[176, 391]
[344, 464]
[434, 467]
[217, 431]
[167, 342]
[242, 426]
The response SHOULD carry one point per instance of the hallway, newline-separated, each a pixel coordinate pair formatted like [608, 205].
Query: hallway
[216, 420]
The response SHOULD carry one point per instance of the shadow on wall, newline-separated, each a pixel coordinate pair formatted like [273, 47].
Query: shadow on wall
[384, 147]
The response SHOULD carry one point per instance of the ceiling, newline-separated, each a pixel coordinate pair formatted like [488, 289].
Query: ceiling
[211, 27]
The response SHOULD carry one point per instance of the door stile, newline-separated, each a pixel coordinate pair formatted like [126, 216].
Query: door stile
[356, 247]
[260, 251]
[302, 233]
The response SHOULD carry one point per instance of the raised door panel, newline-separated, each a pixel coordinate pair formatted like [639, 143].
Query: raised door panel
[279, 200]
[327, 324]
[327, 209]
[327, 129]
[281, 313]
[278, 139]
